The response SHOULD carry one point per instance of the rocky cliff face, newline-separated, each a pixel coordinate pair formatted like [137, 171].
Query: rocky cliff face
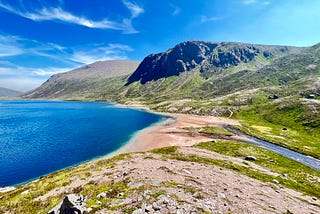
[207, 56]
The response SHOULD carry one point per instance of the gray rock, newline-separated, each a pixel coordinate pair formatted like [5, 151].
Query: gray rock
[135, 184]
[156, 207]
[73, 204]
[102, 195]
[250, 158]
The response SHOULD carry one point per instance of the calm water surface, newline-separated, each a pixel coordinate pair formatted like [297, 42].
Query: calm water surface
[39, 137]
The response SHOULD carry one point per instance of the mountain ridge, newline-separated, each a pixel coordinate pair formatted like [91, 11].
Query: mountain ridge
[81, 80]
[6, 92]
[188, 55]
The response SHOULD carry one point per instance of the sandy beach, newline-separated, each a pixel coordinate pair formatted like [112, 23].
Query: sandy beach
[171, 132]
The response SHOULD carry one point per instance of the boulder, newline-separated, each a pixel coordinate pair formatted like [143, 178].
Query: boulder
[71, 204]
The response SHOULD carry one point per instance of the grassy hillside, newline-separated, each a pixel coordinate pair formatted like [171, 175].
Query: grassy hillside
[97, 81]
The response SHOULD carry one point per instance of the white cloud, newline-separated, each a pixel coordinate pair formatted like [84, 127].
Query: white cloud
[25, 78]
[266, 3]
[66, 58]
[21, 83]
[9, 47]
[58, 14]
[249, 1]
[211, 19]
[48, 71]
[176, 10]
[101, 53]
[135, 9]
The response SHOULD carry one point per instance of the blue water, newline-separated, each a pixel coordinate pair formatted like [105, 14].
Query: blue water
[39, 137]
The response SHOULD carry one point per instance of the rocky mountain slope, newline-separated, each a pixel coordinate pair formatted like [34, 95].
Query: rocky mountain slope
[88, 82]
[206, 56]
[5, 92]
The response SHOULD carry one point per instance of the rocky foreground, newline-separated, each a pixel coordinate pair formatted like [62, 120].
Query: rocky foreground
[189, 180]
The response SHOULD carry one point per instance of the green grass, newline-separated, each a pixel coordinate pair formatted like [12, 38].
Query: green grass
[215, 131]
[299, 176]
[288, 123]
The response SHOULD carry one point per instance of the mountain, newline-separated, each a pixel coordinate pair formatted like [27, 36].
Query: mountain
[88, 82]
[267, 87]
[207, 56]
[5, 92]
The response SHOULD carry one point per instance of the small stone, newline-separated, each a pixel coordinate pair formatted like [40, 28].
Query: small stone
[272, 207]
[125, 173]
[148, 208]
[314, 198]
[285, 175]
[250, 158]
[186, 171]
[102, 195]
[143, 207]
[318, 180]
[25, 192]
[135, 184]
[98, 202]
[156, 207]
[120, 194]
[138, 211]
[237, 196]
[221, 195]
[275, 181]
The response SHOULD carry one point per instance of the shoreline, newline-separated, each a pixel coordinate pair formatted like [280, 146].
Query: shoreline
[169, 132]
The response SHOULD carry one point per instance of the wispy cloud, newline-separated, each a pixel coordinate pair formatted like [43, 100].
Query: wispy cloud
[134, 8]
[58, 14]
[249, 1]
[8, 46]
[176, 10]
[48, 59]
[266, 2]
[211, 19]
[100, 53]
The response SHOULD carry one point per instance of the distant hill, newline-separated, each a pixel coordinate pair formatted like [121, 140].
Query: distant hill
[5, 92]
[88, 82]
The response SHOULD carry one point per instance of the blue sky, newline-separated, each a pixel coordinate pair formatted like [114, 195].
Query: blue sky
[39, 38]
